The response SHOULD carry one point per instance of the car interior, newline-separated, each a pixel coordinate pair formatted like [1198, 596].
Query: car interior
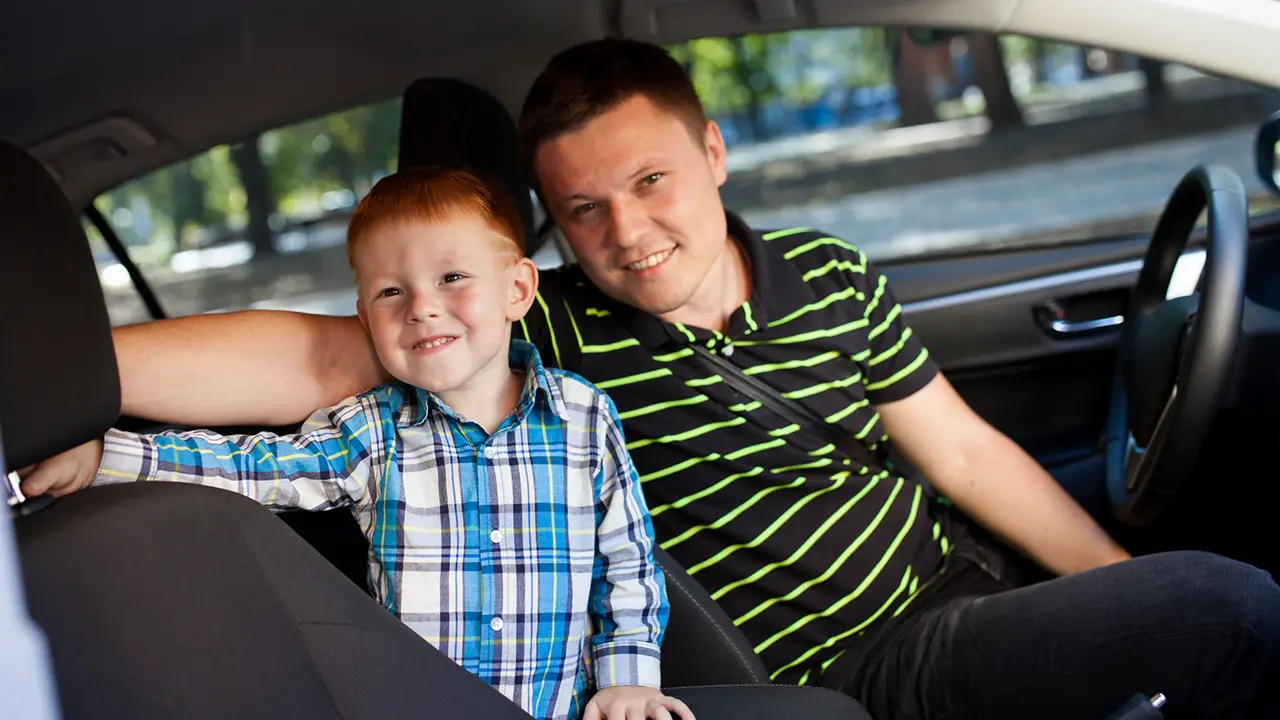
[1139, 370]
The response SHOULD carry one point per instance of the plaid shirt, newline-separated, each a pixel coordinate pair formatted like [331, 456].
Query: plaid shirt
[526, 556]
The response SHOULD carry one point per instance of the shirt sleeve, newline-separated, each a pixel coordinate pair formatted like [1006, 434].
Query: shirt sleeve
[897, 364]
[328, 464]
[628, 593]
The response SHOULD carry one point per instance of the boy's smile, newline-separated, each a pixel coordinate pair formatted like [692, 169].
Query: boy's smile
[438, 300]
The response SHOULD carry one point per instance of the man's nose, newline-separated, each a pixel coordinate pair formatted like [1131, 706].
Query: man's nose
[628, 222]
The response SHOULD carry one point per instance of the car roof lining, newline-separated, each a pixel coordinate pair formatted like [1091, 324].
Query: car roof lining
[142, 83]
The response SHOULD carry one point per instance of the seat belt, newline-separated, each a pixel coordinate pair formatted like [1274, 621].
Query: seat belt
[792, 411]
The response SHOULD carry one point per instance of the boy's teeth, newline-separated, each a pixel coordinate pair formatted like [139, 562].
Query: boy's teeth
[434, 343]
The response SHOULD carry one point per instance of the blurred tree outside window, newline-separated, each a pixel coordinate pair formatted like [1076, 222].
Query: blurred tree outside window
[909, 143]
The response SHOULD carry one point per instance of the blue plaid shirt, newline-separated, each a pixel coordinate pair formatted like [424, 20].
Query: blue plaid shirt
[526, 556]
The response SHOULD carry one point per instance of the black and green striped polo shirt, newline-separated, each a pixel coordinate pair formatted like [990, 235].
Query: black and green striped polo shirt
[802, 546]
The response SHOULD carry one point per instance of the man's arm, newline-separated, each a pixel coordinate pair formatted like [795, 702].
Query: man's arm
[258, 367]
[994, 481]
[628, 593]
[327, 466]
[969, 462]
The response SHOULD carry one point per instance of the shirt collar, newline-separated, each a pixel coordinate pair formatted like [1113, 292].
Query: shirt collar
[538, 387]
[774, 283]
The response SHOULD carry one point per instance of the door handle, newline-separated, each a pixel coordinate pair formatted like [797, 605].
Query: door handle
[1053, 319]
[1067, 327]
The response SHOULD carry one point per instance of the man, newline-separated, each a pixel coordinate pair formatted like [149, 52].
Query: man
[840, 574]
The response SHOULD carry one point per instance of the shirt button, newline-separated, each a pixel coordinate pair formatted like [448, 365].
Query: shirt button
[495, 536]
[727, 351]
[496, 623]
[489, 452]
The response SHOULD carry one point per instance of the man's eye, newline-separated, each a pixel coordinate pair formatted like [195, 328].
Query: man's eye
[583, 209]
[650, 179]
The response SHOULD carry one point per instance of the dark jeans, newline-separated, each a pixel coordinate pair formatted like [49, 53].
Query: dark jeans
[1200, 628]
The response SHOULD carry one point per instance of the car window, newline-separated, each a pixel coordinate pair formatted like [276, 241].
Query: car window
[916, 144]
[257, 224]
[910, 144]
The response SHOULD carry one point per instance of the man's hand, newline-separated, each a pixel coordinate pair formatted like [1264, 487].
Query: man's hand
[62, 474]
[635, 702]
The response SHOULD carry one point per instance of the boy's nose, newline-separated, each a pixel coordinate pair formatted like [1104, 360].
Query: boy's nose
[423, 307]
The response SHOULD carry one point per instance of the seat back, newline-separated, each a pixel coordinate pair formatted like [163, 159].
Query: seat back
[59, 385]
[702, 645]
[451, 123]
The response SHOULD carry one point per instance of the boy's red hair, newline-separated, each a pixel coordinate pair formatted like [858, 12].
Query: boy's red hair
[434, 195]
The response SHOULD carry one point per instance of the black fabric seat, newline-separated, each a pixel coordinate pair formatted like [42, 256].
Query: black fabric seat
[161, 600]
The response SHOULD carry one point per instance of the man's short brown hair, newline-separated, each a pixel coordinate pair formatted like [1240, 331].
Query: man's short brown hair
[590, 79]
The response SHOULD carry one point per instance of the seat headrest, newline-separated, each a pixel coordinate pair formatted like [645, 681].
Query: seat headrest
[451, 123]
[58, 381]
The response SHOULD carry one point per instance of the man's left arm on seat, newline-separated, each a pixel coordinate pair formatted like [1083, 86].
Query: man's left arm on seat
[327, 465]
[259, 367]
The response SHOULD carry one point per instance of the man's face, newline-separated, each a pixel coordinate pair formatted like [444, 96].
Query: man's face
[438, 301]
[637, 197]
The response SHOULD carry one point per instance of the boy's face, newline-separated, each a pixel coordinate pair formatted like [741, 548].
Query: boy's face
[438, 301]
[638, 198]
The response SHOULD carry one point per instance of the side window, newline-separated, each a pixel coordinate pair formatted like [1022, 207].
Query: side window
[258, 224]
[920, 143]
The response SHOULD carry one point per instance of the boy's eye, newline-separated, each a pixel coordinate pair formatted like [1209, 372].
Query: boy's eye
[388, 292]
[452, 277]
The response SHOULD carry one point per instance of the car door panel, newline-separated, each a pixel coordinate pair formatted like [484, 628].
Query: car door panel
[988, 321]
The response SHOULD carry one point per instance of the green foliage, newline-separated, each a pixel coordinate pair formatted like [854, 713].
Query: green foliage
[191, 201]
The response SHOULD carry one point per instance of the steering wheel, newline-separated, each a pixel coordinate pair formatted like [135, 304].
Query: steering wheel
[1176, 356]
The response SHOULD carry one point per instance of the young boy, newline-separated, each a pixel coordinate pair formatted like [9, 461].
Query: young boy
[505, 519]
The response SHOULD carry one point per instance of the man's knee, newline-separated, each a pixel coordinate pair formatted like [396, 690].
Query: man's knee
[1213, 590]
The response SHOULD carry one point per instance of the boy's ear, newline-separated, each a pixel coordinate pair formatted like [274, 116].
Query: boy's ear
[524, 286]
[363, 314]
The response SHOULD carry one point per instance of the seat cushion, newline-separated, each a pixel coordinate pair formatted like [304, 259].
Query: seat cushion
[701, 645]
[768, 702]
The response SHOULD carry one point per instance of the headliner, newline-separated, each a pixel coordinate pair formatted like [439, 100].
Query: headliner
[102, 92]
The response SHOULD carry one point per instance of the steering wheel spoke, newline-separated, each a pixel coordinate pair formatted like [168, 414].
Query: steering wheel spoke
[1138, 462]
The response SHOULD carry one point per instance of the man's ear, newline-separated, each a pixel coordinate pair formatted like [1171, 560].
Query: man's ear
[713, 141]
[523, 289]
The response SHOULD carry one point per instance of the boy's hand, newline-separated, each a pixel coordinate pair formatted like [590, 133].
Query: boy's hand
[635, 702]
[61, 474]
